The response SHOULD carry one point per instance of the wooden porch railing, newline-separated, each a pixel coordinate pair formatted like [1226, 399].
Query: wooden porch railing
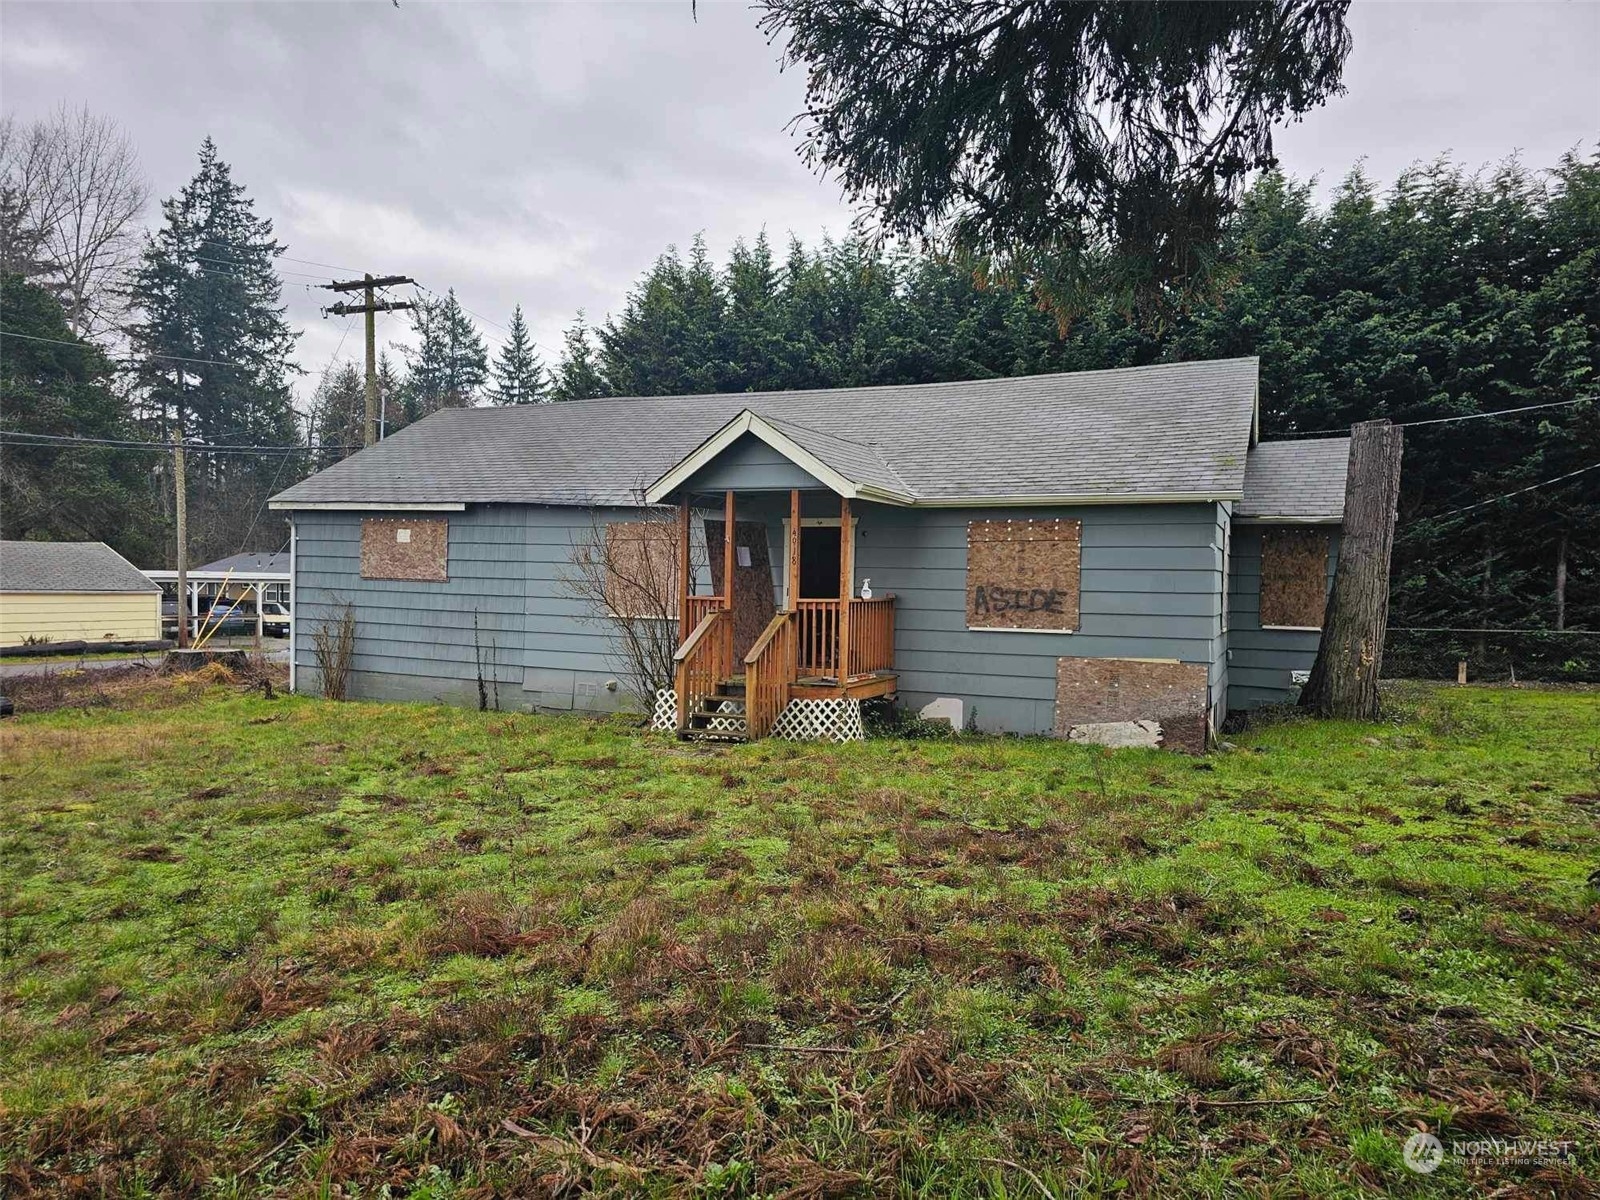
[696, 608]
[871, 635]
[817, 636]
[704, 660]
[769, 670]
[871, 645]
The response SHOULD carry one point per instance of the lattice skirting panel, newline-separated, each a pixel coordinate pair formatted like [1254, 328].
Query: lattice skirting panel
[665, 715]
[836, 719]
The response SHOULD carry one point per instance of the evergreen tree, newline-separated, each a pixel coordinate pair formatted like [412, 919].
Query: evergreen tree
[1447, 295]
[338, 415]
[67, 493]
[449, 364]
[578, 376]
[211, 350]
[392, 411]
[518, 375]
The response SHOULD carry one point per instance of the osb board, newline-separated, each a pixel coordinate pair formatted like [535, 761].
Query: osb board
[642, 568]
[405, 548]
[1122, 691]
[1294, 577]
[1023, 574]
[753, 604]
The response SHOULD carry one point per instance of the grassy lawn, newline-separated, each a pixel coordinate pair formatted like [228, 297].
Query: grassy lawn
[284, 946]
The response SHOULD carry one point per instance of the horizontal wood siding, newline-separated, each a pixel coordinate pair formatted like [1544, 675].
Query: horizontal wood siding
[1260, 661]
[80, 616]
[415, 641]
[1151, 585]
[1151, 588]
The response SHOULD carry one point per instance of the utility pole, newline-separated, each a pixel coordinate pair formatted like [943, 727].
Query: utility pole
[370, 308]
[181, 509]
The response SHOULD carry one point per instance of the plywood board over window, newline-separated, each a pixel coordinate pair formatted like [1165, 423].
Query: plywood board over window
[416, 551]
[1133, 702]
[1024, 574]
[1294, 578]
[642, 569]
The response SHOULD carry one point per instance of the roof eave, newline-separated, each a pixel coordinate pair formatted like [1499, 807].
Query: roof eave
[366, 506]
[1036, 501]
[1273, 519]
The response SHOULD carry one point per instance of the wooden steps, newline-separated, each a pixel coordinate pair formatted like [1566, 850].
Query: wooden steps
[721, 717]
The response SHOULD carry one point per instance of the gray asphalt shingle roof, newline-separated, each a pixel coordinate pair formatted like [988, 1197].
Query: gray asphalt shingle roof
[1177, 429]
[1296, 479]
[68, 567]
[253, 562]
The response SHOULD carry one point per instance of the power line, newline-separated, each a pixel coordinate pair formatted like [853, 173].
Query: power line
[88, 346]
[1501, 412]
[1456, 629]
[1496, 499]
[307, 262]
[19, 438]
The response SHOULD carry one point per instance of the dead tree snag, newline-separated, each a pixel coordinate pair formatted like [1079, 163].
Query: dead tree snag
[1344, 678]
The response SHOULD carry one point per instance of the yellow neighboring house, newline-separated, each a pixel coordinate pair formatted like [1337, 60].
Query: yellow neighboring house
[74, 591]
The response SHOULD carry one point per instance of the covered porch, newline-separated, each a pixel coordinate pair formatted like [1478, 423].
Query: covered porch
[780, 621]
[734, 678]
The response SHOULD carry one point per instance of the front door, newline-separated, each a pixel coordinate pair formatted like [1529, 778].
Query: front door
[819, 562]
[819, 580]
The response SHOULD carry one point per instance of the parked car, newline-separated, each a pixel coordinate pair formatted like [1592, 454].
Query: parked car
[234, 616]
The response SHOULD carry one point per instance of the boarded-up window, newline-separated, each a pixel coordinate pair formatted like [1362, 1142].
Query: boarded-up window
[1132, 701]
[1023, 574]
[1294, 578]
[642, 569]
[405, 548]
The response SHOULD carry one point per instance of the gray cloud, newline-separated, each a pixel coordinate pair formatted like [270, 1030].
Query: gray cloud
[545, 154]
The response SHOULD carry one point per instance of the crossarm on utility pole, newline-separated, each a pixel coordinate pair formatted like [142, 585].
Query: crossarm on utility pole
[370, 306]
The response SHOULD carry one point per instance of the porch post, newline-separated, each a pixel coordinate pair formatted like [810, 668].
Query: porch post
[727, 551]
[685, 584]
[261, 595]
[727, 581]
[793, 567]
[847, 576]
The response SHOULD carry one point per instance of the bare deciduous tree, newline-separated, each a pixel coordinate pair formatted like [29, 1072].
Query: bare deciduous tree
[28, 202]
[71, 193]
[626, 574]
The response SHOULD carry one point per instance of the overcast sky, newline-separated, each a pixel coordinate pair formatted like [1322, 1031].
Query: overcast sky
[545, 154]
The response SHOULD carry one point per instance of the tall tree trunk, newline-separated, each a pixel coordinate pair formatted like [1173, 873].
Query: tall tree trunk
[1344, 678]
[1561, 582]
[1485, 583]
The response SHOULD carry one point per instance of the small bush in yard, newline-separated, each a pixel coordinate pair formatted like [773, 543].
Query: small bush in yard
[283, 947]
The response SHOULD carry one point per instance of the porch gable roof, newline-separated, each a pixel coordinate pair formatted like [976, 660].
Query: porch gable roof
[849, 468]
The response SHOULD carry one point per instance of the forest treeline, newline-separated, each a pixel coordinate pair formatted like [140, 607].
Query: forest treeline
[1449, 294]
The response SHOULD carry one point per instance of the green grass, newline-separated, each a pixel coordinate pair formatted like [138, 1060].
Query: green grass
[284, 946]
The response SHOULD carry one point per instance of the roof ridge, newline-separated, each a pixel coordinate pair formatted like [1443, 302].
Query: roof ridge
[865, 387]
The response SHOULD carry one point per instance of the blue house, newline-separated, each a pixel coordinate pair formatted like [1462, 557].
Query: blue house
[1106, 556]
